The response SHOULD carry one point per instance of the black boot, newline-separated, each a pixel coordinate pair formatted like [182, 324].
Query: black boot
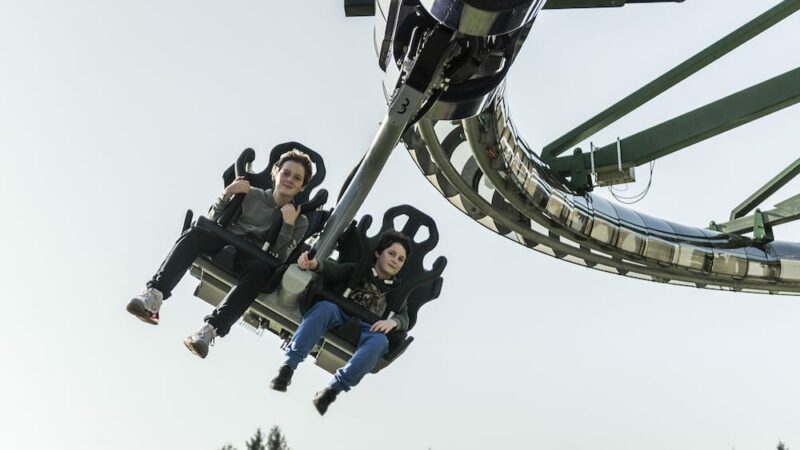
[324, 398]
[283, 379]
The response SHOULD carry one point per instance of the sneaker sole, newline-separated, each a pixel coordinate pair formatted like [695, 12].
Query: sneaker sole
[188, 343]
[141, 313]
[278, 388]
[319, 409]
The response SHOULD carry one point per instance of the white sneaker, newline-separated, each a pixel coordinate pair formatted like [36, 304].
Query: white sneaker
[199, 342]
[145, 306]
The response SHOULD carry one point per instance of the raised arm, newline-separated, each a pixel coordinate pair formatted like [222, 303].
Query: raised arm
[238, 186]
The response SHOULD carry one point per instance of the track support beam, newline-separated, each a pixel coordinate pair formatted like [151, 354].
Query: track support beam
[765, 191]
[762, 221]
[692, 65]
[570, 4]
[695, 126]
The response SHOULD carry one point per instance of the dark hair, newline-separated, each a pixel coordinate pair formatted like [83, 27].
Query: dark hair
[298, 157]
[390, 237]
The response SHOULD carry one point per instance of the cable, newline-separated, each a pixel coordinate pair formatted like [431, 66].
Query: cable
[634, 198]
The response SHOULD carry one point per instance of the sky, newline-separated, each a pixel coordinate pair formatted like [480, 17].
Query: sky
[115, 117]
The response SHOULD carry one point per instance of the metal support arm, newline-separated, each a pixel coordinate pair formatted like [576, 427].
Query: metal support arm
[702, 123]
[768, 189]
[784, 212]
[569, 4]
[425, 70]
[403, 108]
[671, 78]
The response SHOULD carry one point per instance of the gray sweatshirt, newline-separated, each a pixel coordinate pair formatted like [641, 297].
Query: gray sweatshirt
[258, 212]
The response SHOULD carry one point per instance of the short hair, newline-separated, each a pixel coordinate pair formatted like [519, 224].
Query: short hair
[298, 157]
[390, 237]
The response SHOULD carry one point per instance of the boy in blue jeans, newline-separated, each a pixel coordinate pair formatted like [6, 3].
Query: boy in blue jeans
[373, 293]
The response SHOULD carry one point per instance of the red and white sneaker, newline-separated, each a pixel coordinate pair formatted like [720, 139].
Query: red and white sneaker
[199, 342]
[145, 306]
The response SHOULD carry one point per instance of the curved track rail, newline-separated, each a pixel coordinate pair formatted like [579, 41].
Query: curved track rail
[484, 168]
[481, 164]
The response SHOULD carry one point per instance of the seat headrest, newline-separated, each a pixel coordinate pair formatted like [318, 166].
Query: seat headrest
[263, 179]
[415, 221]
[419, 285]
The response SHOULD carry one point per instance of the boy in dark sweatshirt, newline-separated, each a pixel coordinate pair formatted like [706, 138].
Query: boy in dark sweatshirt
[374, 293]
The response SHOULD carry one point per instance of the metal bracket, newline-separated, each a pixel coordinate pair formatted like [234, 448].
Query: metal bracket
[580, 180]
[762, 230]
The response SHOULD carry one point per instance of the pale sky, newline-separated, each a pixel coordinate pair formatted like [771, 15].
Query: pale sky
[117, 116]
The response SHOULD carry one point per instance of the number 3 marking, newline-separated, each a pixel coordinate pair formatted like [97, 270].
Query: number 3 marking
[404, 106]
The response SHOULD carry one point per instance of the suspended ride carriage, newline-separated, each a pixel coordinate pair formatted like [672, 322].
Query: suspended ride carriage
[280, 312]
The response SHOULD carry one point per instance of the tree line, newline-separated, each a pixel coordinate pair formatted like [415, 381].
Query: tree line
[275, 440]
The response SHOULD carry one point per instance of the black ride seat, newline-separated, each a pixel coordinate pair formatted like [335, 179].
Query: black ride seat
[310, 207]
[418, 285]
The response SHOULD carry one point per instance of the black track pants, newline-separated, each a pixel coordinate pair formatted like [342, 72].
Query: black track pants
[254, 276]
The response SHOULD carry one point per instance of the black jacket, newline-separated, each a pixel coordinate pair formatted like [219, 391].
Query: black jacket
[334, 272]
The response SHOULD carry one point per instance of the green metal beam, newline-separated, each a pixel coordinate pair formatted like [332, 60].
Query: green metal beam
[359, 8]
[702, 123]
[768, 189]
[568, 4]
[785, 211]
[671, 78]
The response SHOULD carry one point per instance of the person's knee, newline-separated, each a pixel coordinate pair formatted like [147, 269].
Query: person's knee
[195, 235]
[260, 269]
[379, 342]
[324, 307]
[191, 234]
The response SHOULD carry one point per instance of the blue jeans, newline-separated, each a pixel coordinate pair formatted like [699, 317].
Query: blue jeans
[323, 316]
